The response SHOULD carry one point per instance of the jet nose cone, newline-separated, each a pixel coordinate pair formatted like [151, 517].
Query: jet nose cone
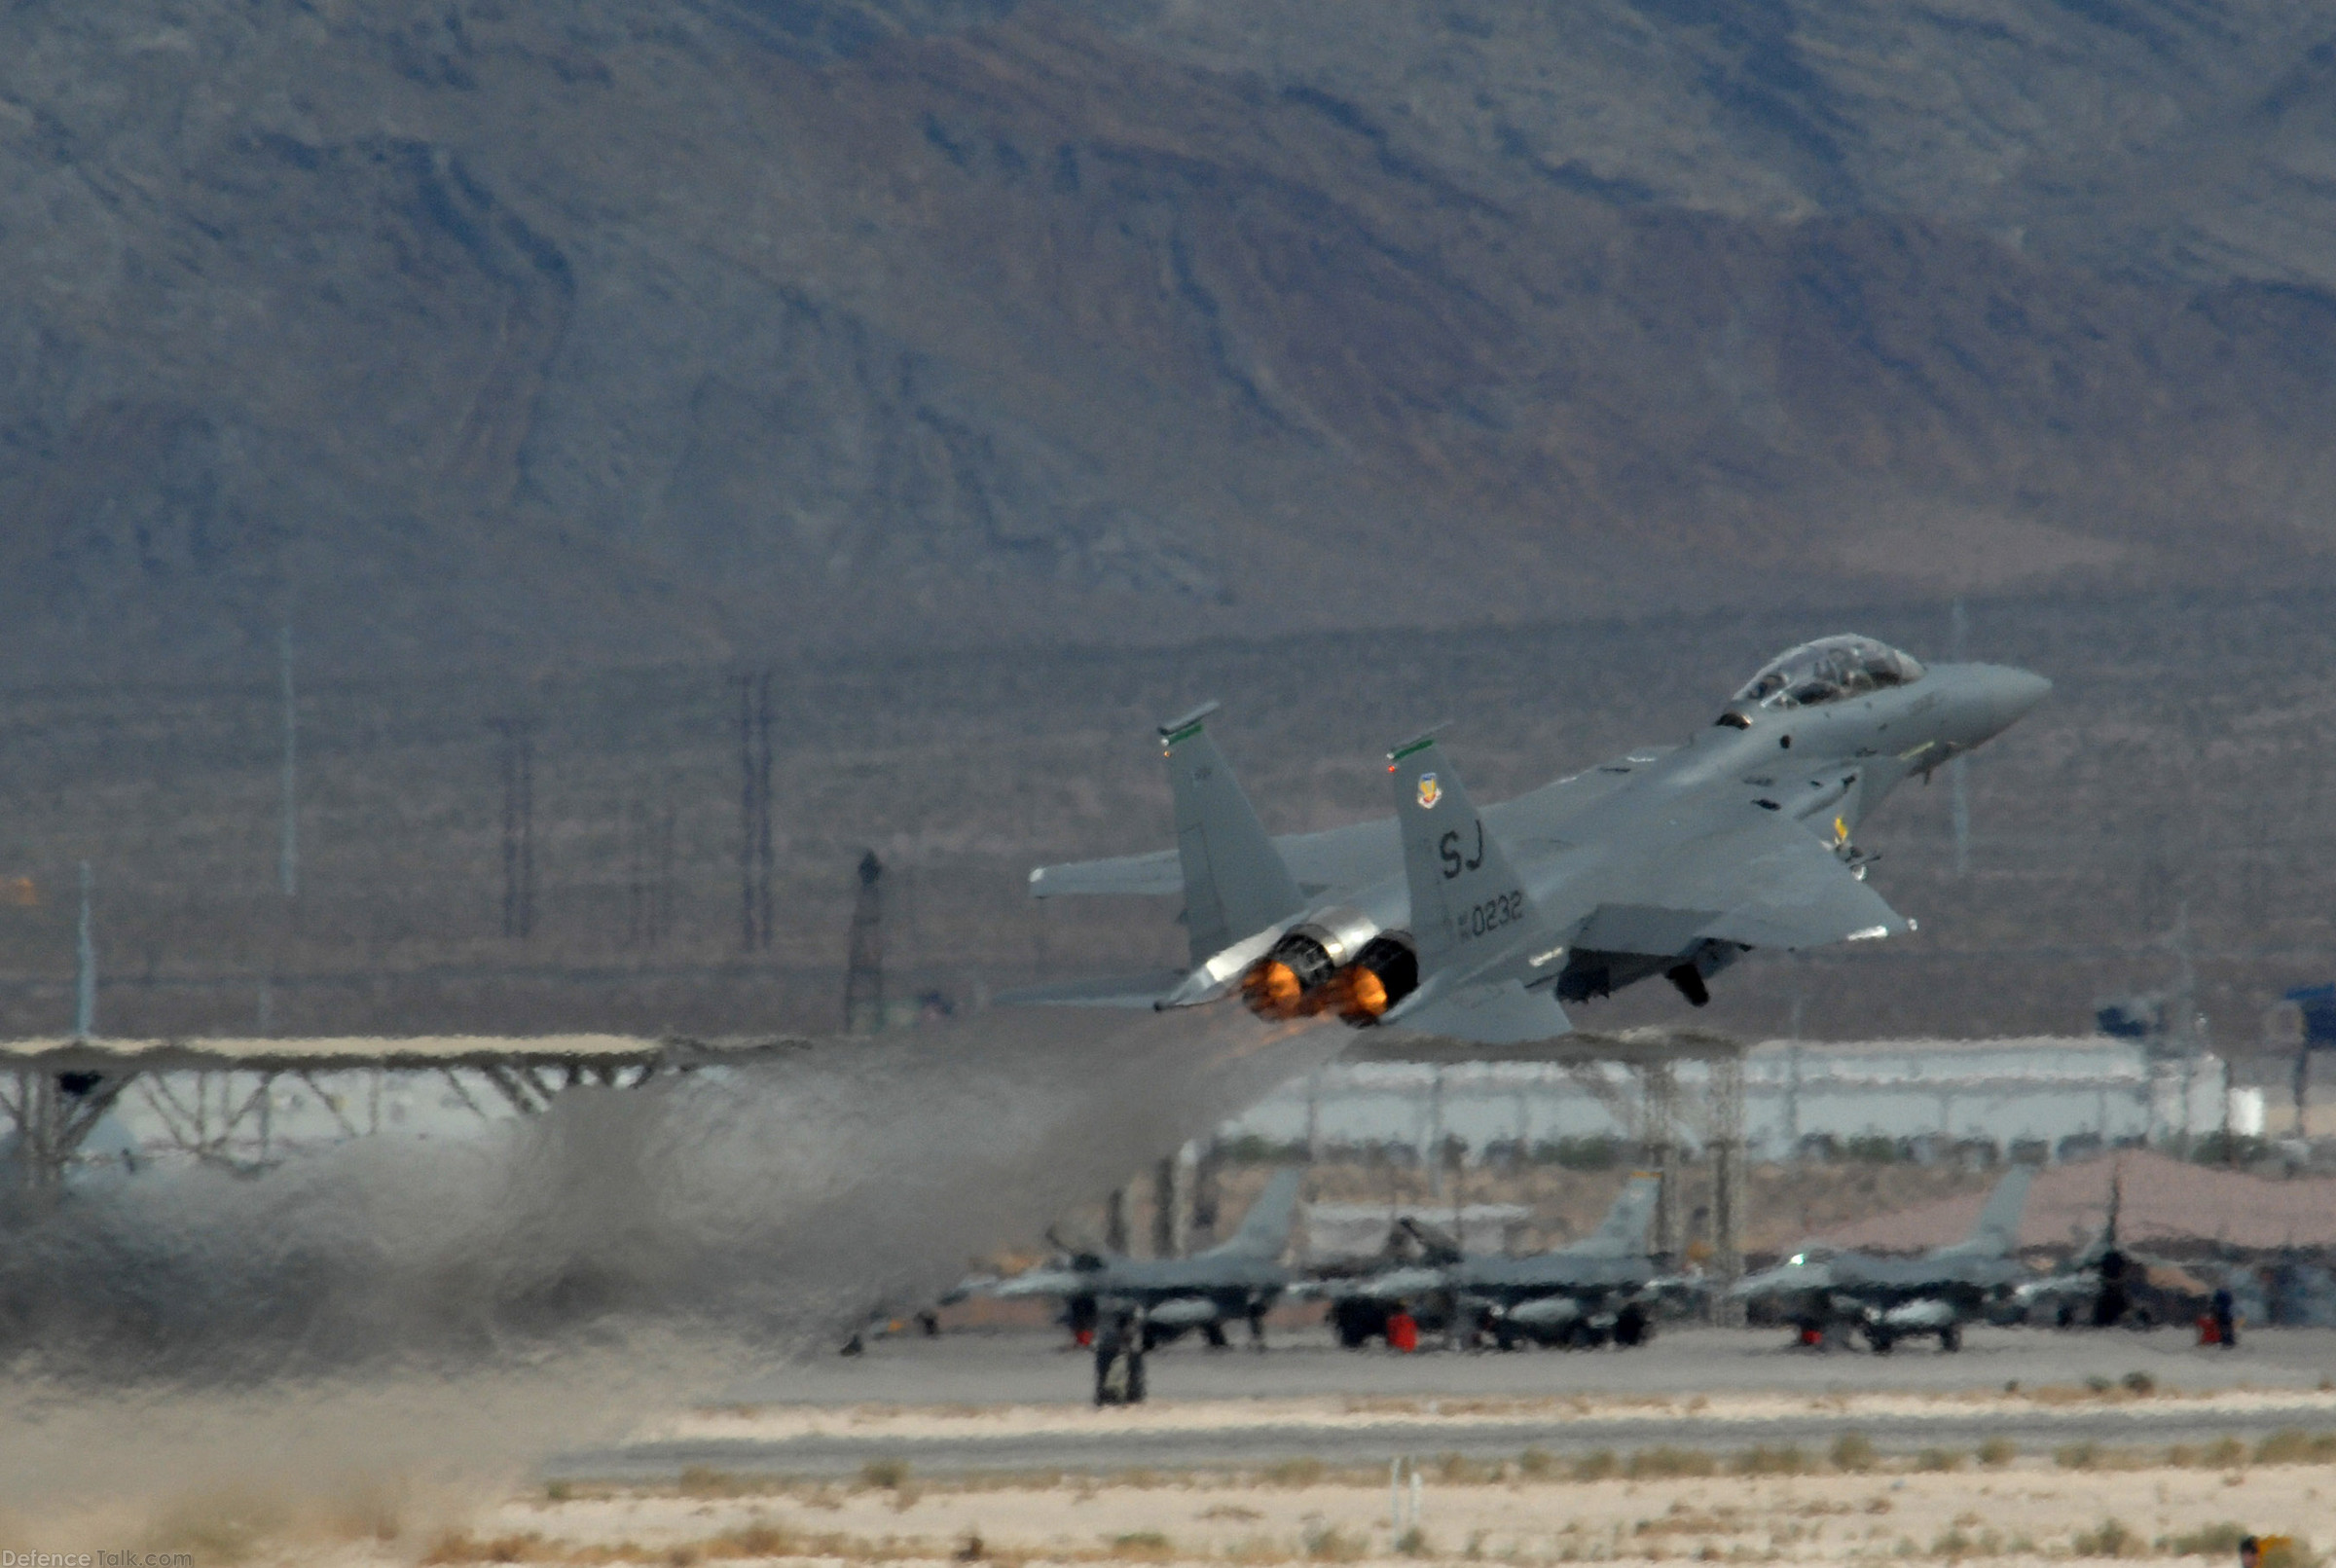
[2016, 693]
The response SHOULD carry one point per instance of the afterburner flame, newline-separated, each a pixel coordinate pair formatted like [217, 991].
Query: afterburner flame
[1365, 995]
[1272, 991]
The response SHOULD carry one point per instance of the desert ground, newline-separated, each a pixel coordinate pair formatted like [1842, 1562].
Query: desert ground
[2023, 1448]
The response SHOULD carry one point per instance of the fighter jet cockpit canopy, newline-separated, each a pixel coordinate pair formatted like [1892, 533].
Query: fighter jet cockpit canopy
[1825, 671]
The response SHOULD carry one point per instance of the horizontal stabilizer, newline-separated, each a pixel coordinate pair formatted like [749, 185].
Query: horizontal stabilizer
[1154, 875]
[1103, 990]
[1501, 1013]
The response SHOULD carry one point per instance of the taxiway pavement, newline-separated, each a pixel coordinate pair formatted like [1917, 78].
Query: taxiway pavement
[1018, 1403]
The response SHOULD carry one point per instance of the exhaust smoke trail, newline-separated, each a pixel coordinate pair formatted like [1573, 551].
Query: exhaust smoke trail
[451, 1309]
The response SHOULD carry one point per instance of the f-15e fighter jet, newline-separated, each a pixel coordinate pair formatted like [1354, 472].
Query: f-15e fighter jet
[1478, 924]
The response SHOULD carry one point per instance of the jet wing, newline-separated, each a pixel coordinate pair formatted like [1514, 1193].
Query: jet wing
[1353, 856]
[1765, 882]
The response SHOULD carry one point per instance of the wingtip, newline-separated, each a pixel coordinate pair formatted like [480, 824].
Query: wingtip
[1418, 743]
[1175, 729]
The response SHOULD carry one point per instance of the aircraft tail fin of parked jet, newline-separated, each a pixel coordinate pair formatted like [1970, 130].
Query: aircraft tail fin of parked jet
[1264, 1230]
[1998, 1232]
[1235, 882]
[1623, 1233]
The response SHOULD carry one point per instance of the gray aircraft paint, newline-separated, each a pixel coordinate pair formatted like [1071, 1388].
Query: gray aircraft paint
[1233, 881]
[1889, 1297]
[1243, 1274]
[1667, 860]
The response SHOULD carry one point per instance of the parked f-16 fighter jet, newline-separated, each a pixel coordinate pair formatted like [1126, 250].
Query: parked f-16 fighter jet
[1578, 1296]
[1475, 924]
[1889, 1299]
[1133, 1304]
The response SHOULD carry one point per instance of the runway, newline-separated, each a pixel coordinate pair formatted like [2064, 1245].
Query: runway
[1003, 1403]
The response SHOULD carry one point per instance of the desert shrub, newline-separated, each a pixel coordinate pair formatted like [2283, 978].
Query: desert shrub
[467, 1549]
[884, 1473]
[1997, 1452]
[1143, 1546]
[1764, 1460]
[1327, 1543]
[2206, 1541]
[1596, 1464]
[2289, 1446]
[1653, 1463]
[1852, 1451]
[2111, 1537]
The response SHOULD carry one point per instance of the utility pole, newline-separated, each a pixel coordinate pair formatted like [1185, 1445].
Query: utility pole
[754, 856]
[85, 952]
[1958, 770]
[1164, 1208]
[288, 867]
[518, 823]
[863, 973]
[648, 874]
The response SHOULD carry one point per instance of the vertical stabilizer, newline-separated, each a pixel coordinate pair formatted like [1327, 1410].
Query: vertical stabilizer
[1998, 1229]
[1465, 898]
[1235, 883]
[1265, 1229]
[1623, 1233]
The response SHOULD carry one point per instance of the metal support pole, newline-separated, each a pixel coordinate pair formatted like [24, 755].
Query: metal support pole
[1164, 1208]
[1314, 1117]
[1727, 1182]
[1958, 770]
[85, 952]
[1205, 1194]
[1434, 1153]
[287, 863]
[1115, 1222]
[1658, 1140]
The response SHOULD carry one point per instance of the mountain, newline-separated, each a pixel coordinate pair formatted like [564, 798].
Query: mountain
[470, 335]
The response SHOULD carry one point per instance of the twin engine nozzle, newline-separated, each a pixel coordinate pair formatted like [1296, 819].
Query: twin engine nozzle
[1340, 961]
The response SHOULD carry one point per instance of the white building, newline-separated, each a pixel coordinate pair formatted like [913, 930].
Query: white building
[2041, 1089]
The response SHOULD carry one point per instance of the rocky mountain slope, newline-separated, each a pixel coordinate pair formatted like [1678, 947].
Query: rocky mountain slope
[474, 334]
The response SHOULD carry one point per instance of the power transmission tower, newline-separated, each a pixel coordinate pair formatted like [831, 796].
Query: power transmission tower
[518, 823]
[84, 954]
[754, 856]
[1958, 770]
[863, 973]
[648, 875]
[287, 863]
